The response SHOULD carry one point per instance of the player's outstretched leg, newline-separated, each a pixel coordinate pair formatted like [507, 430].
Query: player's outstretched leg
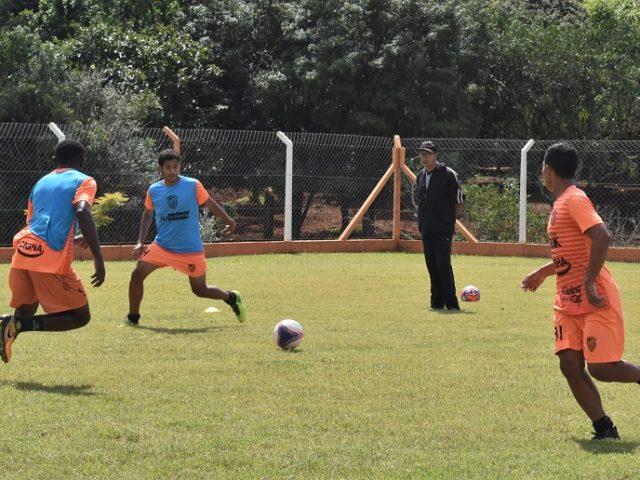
[586, 393]
[24, 321]
[621, 372]
[136, 290]
[232, 297]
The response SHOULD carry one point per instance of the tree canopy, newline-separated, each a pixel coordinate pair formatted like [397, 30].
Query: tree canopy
[499, 68]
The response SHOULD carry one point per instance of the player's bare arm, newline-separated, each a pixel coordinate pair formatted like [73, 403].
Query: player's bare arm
[215, 208]
[600, 241]
[533, 280]
[145, 224]
[90, 236]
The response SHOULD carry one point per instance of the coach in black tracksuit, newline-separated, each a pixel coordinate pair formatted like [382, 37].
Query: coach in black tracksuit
[440, 203]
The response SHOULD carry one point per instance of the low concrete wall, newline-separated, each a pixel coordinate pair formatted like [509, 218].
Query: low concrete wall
[123, 252]
[491, 249]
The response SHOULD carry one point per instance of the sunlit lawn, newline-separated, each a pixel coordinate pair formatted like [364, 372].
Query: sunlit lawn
[380, 388]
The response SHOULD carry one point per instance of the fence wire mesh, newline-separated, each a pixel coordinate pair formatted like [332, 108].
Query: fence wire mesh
[490, 171]
[332, 177]
[490, 174]
[244, 170]
[609, 173]
[26, 153]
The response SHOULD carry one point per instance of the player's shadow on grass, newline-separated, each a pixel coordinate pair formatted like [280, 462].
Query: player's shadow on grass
[72, 390]
[606, 446]
[451, 312]
[185, 331]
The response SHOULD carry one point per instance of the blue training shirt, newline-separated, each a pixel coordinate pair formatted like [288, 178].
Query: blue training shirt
[52, 202]
[177, 214]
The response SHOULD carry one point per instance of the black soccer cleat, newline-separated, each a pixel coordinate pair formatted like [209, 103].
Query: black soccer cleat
[8, 334]
[610, 433]
[132, 320]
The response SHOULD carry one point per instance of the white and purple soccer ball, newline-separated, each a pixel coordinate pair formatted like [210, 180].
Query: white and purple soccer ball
[288, 334]
[470, 294]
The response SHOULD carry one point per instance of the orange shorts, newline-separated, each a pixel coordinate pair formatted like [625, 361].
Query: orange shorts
[599, 334]
[53, 291]
[193, 264]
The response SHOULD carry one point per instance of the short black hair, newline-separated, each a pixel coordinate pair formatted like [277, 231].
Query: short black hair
[69, 152]
[168, 154]
[563, 158]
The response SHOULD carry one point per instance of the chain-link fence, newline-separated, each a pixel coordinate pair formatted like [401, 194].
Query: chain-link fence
[490, 172]
[26, 153]
[610, 175]
[244, 170]
[332, 177]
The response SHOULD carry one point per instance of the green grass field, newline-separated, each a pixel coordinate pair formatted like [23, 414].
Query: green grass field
[380, 388]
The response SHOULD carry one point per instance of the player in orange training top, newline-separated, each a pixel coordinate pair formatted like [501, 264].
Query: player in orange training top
[587, 308]
[41, 272]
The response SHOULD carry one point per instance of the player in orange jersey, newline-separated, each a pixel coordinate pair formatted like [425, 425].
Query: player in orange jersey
[41, 272]
[587, 307]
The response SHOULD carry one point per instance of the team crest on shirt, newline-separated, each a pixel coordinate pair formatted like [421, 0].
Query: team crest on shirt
[172, 201]
[591, 343]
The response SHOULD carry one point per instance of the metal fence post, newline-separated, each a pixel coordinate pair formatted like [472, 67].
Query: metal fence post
[522, 232]
[288, 187]
[56, 131]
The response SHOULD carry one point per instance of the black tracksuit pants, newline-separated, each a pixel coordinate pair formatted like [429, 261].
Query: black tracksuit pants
[437, 255]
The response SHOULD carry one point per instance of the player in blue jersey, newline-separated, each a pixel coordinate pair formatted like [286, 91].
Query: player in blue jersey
[41, 272]
[176, 200]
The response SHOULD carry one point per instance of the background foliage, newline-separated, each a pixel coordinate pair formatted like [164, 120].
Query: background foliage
[105, 70]
[500, 68]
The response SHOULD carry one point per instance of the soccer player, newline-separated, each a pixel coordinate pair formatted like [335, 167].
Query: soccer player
[175, 200]
[587, 307]
[41, 272]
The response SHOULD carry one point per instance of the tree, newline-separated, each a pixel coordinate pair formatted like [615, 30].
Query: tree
[32, 74]
[370, 67]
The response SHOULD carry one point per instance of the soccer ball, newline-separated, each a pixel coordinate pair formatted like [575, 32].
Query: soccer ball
[470, 294]
[288, 334]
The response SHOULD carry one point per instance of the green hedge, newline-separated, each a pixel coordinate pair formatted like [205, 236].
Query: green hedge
[492, 213]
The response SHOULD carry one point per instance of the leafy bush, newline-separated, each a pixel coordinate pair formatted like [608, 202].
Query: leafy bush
[492, 213]
[106, 204]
